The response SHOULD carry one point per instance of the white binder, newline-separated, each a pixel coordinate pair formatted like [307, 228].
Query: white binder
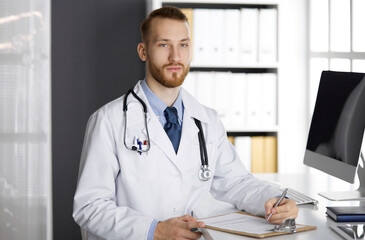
[268, 35]
[269, 100]
[231, 36]
[249, 35]
[201, 19]
[190, 83]
[239, 101]
[243, 147]
[223, 96]
[205, 88]
[254, 100]
[215, 36]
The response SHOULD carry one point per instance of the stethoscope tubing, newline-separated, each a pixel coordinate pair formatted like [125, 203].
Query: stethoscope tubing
[125, 109]
[202, 145]
[204, 173]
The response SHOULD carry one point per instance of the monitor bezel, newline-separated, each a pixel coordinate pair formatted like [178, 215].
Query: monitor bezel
[330, 166]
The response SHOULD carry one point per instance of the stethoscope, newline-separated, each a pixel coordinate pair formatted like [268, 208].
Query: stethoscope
[204, 173]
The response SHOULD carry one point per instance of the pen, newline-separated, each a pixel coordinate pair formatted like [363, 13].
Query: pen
[278, 202]
[140, 146]
[193, 229]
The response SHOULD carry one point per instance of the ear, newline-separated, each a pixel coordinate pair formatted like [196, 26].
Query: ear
[142, 51]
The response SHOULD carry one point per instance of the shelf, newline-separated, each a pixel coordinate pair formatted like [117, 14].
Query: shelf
[249, 68]
[242, 66]
[217, 3]
[251, 134]
[255, 129]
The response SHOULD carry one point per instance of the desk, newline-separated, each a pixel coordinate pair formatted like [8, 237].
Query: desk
[309, 184]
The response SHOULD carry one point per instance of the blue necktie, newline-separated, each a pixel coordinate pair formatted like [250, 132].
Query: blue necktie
[172, 126]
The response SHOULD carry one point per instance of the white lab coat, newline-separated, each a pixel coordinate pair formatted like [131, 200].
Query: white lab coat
[120, 192]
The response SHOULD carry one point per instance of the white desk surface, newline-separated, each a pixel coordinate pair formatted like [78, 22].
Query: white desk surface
[309, 184]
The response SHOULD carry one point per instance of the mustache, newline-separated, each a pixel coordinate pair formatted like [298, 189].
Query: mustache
[173, 65]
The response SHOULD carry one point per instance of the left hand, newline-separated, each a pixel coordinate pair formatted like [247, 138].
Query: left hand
[286, 209]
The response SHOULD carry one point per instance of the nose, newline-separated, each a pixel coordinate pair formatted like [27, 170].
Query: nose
[174, 54]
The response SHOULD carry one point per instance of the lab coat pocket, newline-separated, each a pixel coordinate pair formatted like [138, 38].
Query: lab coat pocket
[139, 167]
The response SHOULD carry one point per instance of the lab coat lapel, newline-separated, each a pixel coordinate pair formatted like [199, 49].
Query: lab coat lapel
[192, 109]
[156, 132]
[159, 137]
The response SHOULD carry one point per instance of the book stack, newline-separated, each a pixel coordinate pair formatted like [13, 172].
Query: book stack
[347, 214]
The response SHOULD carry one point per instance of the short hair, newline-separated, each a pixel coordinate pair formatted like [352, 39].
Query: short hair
[164, 12]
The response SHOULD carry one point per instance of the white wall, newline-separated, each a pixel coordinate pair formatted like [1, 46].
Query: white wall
[292, 85]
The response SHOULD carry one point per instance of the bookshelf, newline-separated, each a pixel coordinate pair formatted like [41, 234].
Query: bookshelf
[253, 129]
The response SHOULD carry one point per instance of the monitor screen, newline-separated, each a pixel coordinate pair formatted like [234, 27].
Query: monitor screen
[337, 127]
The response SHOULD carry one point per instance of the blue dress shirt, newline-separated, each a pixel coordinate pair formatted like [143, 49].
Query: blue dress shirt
[158, 106]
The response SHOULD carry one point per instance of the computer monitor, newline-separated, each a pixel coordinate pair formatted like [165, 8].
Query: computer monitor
[337, 129]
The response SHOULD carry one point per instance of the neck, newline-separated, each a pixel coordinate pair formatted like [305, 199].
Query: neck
[167, 95]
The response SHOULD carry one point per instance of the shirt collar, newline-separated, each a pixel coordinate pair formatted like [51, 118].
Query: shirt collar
[158, 106]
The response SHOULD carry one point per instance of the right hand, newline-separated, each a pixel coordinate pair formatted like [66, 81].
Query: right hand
[178, 228]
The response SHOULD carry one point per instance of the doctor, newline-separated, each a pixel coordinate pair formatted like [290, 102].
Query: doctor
[128, 194]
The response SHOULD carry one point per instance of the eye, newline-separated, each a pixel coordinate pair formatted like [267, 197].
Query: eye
[184, 45]
[163, 45]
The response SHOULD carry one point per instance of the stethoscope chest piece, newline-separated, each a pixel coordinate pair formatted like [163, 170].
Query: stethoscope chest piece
[204, 173]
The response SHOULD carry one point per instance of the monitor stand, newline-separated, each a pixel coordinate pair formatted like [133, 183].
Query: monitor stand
[358, 194]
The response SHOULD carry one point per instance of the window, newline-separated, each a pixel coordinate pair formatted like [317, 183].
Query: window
[337, 39]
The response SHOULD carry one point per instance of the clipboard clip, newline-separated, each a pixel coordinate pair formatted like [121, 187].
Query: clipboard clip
[288, 226]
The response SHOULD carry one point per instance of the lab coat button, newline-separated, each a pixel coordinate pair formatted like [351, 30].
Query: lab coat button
[174, 210]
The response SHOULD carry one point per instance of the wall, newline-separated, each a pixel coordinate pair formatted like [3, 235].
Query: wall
[292, 93]
[94, 60]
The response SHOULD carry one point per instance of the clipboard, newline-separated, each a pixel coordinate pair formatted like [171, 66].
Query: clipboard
[300, 227]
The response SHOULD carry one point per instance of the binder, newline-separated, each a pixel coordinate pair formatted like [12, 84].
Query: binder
[200, 31]
[268, 35]
[243, 148]
[257, 157]
[270, 154]
[189, 14]
[264, 154]
[223, 87]
[254, 100]
[189, 83]
[238, 101]
[269, 100]
[205, 88]
[231, 36]
[249, 35]
[215, 36]
[250, 218]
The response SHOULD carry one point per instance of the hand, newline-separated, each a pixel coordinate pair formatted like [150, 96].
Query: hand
[286, 209]
[178, 228]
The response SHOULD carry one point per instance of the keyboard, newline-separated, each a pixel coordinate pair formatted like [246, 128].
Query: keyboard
[300, 198]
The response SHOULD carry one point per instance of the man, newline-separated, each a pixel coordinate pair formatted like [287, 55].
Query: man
[125, 194]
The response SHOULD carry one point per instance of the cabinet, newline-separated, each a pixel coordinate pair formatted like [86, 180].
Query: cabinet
[234, 70]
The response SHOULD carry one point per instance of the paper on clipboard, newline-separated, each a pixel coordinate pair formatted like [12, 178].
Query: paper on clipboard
[246, 224]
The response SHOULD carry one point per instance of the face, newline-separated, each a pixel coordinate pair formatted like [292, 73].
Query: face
[167, 52]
